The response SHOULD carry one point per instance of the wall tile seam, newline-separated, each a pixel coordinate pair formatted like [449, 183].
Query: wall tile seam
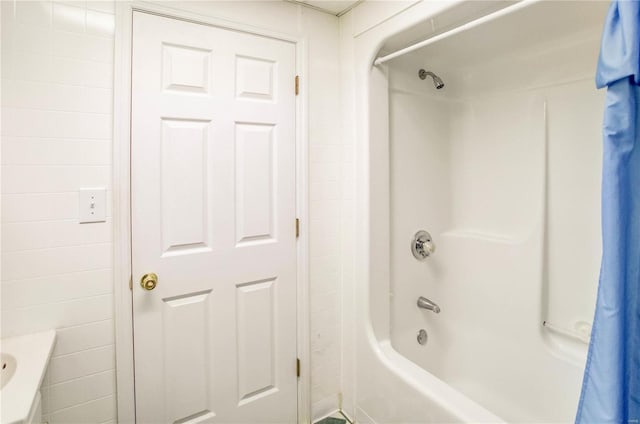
[53, 164]
[61, 302]
[64, 222]
[10, 79]
[103, 243]
[61, 138]
[40, 305]
[40, 221]
[62, 165]
[54, 139]
[106, 62]
[9, 251]
[51, 221]
[48, 275]
[83, 351]
[35, 109]
[75, 237]
[57, 109]
[54, 355]
[111, 342]
[48, 55]
[83, 403]
[17, 280]
[85, 325]
[6, 79]
[82, 33]
[56, 409]
[83, 377]
[55, 28]
[64, 102]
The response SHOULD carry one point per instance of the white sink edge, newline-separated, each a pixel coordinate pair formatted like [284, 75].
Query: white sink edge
[32, 353]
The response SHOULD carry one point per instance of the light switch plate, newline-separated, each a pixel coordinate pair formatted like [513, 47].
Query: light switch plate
[92, 205]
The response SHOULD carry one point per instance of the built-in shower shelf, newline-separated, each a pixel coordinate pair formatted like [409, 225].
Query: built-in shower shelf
[581, 334]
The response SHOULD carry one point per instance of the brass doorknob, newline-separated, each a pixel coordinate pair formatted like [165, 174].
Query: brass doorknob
[149, 281]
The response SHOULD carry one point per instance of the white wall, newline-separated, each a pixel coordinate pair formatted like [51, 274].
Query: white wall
[362, 18]
[57, 81]
[57, 66]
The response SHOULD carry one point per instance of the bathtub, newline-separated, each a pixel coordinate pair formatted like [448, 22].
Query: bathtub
[502, 167]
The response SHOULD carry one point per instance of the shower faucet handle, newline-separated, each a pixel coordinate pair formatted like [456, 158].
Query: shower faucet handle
[422, 245]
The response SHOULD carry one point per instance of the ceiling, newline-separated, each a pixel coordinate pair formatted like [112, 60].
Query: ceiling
[335, 7]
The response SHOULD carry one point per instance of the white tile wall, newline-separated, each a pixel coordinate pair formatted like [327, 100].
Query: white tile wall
[325, 194]
[348, 218]
[57, 72]
[57, 88]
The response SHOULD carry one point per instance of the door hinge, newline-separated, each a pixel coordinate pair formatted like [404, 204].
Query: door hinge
[297, 228]
[130, 283]
[297, 367]
[297, 85]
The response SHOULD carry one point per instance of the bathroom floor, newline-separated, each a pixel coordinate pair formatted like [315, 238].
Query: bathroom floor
[336, 418]
[332, 420]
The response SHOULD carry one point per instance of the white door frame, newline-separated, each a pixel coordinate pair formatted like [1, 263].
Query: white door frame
[123, 305]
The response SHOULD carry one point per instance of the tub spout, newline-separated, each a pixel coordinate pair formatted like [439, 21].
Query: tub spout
[425, 303]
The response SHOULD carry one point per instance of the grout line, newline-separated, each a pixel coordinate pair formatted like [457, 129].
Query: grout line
[44, 165]
[108, 187]
[82, 34]
[68, 220]
[50, 82]
[25, 193]
[84, 350]
[101, 243]
[22, 308]
[74, 218]
[80, 404]
[54, 83]
[80, 112]
[49, 54]
[85, 324]
[62, 274]
[82, 377]
[38, 137]
[65, 300]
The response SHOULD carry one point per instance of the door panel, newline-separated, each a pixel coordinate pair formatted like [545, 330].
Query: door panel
[213, 212]
[184, 184]
[255, 312]
[255, 183]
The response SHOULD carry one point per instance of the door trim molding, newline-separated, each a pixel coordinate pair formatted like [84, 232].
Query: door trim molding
[123, 305]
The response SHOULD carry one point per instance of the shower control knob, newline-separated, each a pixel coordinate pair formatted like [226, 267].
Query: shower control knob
[422, 337]
[422, 245]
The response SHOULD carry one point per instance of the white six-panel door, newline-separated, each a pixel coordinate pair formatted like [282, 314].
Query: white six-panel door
[213, 212]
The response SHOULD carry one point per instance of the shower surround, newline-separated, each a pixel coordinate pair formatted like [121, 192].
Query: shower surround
[502, 167]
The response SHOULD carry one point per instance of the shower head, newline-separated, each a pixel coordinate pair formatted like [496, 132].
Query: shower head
[437, 81]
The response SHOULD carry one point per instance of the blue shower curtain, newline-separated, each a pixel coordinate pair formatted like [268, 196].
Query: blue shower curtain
[611, 385]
